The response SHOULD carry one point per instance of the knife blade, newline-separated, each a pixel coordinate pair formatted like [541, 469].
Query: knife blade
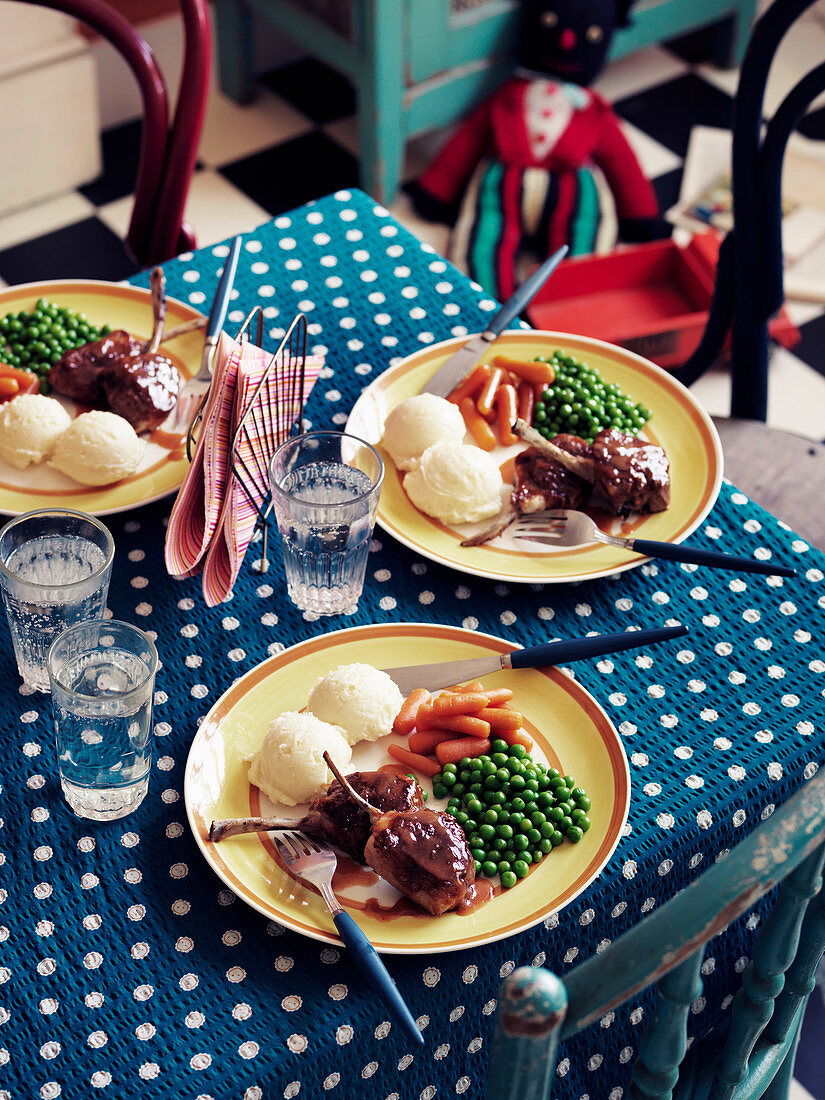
[447, 377]
[444, 673]
[220, 303]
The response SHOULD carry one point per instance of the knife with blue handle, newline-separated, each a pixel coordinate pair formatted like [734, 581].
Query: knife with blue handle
[445, 380]
[444, 673]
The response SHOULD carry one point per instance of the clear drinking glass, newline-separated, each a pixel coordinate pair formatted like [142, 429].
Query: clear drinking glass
[102, 678]
[55, 566]
[325, 489]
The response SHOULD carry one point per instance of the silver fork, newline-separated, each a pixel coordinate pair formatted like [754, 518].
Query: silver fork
[314, 862]
[565, 527]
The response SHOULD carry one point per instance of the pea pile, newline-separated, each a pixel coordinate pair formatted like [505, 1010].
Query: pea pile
[34, 341]
[513, 810]
[580, 402]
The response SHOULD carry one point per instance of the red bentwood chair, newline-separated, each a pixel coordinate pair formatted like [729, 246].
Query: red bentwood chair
[168, 149]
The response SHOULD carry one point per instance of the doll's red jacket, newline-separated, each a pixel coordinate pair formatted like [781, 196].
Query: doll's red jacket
[575, 127]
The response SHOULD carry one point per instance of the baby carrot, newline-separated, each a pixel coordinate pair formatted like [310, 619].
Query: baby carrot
[526, 402]
[416, 760]
[460, 702]
[506, 410]
[497, 696]
[485, 399]
[477, 426]
[467, 724]
[424, 741]
[530, 371]
[405, 719]
[503, 719]
[425, 717]
[516, 737]
[470, 385]
[450, 752]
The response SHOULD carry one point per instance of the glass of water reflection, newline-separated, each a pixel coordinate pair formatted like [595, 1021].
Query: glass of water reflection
[55, 566]
[325, 489]
[102, 679]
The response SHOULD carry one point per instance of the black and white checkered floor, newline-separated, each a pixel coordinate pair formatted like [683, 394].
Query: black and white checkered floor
[297, 141]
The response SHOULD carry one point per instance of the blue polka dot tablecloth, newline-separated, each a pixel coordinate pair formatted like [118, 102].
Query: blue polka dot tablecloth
[127, 969]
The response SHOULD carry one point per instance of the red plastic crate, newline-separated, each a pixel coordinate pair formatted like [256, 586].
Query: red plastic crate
[649, 298]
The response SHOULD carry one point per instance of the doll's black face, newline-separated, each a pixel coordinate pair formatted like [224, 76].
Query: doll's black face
[568, 39]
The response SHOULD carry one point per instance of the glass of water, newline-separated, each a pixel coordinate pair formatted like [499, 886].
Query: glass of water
[102, 678]
[325, 489]
[55, 566]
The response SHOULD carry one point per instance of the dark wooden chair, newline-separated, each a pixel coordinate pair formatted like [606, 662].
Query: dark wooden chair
[782, 472]
[755, 1057]
[168, 150]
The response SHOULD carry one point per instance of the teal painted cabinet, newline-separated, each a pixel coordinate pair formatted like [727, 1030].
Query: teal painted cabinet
[420, 64]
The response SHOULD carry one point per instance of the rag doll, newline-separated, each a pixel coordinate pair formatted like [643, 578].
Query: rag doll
[542, 161]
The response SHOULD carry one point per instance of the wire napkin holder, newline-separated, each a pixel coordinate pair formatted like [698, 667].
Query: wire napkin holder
[272, 415]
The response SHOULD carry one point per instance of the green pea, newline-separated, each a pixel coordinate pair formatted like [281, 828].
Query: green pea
[544, 800]
[489, 869]
[545, 845]
[521, 868]
[499, 758]
[509, 855]
[439, 790]
[475, 807]
[517, 782]
[569, 781]
[518, 803]
[584, 823]
[518, 751]
[503, 866]
[574, 834]
[508, 880]
[583, 803]
[557, 838]
[475, 789]
[499, 746]
[498, 845]
[448, 779]
[478, 869]
[521, 843]
[459, 789]
[504, 831]
[487, 832]
[462, 818]
[478, 854]
[534, 836]
[490, 816]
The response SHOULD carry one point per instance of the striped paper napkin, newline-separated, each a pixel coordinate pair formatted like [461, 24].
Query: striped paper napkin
[213, 519]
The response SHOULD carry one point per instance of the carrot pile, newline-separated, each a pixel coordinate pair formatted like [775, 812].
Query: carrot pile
[493, 395]
[456, 724]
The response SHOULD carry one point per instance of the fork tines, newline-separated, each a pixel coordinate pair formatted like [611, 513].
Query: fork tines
[294, 845]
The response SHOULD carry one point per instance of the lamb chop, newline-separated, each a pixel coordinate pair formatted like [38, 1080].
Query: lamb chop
[630, 474]
[118, 371]
[543, 482]
[422, 853]
[334, 816]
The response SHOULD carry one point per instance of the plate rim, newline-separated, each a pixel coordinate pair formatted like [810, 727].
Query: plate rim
[633, 359]
[331, 938]
[127, 290]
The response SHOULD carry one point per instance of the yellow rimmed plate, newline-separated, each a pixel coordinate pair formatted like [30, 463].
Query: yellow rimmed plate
[164, 464]
[571, 732]
[678, 424]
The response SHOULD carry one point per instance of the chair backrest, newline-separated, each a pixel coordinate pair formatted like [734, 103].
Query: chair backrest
[749, 278]
[536, 1009]
[168, 149]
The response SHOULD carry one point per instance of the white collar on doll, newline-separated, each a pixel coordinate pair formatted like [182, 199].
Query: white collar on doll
[579, 97]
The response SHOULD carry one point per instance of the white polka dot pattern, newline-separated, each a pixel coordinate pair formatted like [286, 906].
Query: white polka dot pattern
[146, 975]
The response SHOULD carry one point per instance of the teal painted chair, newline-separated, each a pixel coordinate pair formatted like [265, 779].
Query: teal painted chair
[420, 64]
[754, 1058]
